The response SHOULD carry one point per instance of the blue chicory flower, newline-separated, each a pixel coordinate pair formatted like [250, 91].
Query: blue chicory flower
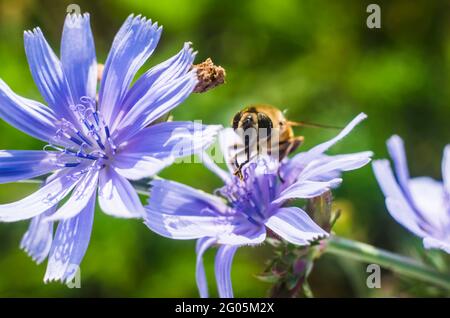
[93, 145]
[422, 204]
[241, 212]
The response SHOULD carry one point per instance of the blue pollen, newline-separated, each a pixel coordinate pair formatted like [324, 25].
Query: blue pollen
[108, 135]
[89, 138]
[79, 134]
[96, 118]
[79, 154]
[252, 220]
[71, 164]
[75, 140]
[99, 142]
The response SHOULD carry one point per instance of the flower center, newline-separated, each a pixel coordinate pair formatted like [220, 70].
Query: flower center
[86, 141]
[253, 195]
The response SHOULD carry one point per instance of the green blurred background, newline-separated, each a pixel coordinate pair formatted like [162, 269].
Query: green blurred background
[315, 58]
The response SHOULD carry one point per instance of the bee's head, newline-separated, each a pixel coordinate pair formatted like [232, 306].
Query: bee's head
[251, 117]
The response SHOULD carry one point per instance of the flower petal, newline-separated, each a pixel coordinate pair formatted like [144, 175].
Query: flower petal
[396, 203]
[41, 200]
[18, 165]
[136, 166]
[396, 149]
[421, 194]
[187, 227]
[202, 245]
[446, 169]
[170, 197]
[224, 259]
[209, 163]
[132, 46]
[117, 197]
[306, 190]
[300, 160]
[295, 226]
[70, 244]
[78, 56]
[325, 166]
[429, 198]
[177, 211]
[38, 239]
[79, 198]
[48, 74]
[164, 142]
[156, 77]
[26, 115]
[243, 232]
[150, 108]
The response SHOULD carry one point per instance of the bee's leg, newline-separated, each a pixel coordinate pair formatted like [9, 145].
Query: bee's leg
[295, 143]
[289, 146]
[238, 171]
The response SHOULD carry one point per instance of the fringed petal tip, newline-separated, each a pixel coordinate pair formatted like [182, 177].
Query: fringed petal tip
[140, 19]
[35, 32]
[38, 259]
[188, 47]
[77, 18]
[66, 279]
[319, 237]
[62, 275]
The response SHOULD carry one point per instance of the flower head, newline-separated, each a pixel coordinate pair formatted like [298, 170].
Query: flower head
[93, 143]
[241, 212]
[422, 204]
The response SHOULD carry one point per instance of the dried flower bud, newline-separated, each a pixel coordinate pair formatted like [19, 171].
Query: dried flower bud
[209, 76]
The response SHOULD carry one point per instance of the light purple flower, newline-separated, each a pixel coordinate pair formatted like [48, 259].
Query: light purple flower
[422, 204]
[93, 145]
[241, 212]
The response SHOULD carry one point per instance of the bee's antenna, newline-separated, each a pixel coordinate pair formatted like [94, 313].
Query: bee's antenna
[313, 125]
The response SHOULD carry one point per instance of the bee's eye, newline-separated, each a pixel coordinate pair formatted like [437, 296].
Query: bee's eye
[264, 121]
[236, 120]
[247, 122]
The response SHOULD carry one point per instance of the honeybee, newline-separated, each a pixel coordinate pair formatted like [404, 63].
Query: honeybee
[263, 129]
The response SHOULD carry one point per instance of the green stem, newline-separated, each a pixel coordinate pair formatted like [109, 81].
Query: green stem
[398, 264]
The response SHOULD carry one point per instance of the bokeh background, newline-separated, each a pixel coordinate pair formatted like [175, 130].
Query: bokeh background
[318, 60]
